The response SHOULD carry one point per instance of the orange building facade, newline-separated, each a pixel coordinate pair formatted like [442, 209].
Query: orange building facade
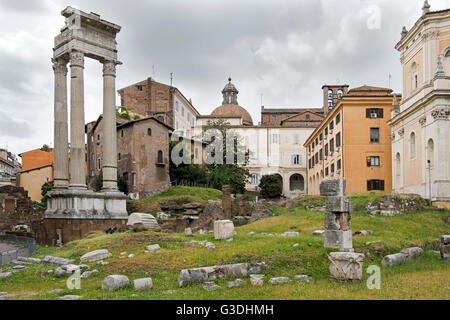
[354, 142]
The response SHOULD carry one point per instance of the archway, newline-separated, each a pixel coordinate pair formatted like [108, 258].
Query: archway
[297, 182]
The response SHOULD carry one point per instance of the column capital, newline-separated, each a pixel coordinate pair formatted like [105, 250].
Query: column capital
[60, 66]
[77, 59]
[109, 68]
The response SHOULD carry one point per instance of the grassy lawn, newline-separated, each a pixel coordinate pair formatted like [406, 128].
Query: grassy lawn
[187, 194]
[426, 277]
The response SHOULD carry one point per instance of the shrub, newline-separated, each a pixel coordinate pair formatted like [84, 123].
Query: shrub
[271, 187]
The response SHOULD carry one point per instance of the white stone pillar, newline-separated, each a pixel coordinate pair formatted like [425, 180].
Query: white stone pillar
[61, 165]
[77, 141]
[109, 127]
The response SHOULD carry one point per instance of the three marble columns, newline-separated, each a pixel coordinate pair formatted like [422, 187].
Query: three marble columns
[77, 132]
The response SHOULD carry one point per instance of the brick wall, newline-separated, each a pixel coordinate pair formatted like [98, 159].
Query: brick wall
[16, 208]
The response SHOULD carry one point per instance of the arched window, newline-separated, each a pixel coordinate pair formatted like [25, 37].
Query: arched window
[397, 164]
[330, 94]
[412, 145]
[160, 156]
[297, 182]
[447, 54]
[414, 76]
[149, 132]
[430, 152]
[340, 94]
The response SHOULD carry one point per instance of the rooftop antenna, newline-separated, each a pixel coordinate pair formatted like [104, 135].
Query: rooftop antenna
[171, 79]
[390, 77]
[262, 99]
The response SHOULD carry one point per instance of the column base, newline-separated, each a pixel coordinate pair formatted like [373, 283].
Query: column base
[85, 204]
[78, 187]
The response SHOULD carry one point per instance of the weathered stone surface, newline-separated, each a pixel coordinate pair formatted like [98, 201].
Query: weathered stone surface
[346, 265]
[332, 187]
[251, 233]
[363, 233]
[445, 248]
[339, 204]
[56, 260]
[143, 222]
[66, 270]
[412, 253]
[279, 280]
[319, 233]
[192, 206]
[301, 278]
[239, 270]
[102, 263]
[29, 260]
[115, 282]
[261, 210]
[153, 247]
[236, 283]
[163, 216]
[331, 221]
[257, 280]
[290, 234]
[210, 286]
[188, 232]
[143, 284]
[394, 259]
[226, 201]
[87, 274]
[70, 297]
[96, 255]
[223, 229]
[338, 239]
[5, 275]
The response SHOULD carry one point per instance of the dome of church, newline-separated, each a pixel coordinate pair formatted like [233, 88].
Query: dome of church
[230, 106]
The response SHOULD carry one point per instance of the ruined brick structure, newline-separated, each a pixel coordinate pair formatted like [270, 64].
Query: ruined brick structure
[143, 154]
[16, 208]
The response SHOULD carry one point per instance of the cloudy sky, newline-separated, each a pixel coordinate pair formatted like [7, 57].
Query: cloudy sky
[283, 49]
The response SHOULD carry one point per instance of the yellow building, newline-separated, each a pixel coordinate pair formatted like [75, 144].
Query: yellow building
[37, 168]
[353, 142]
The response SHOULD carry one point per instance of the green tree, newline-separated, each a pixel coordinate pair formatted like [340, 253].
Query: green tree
[233, 174]
[271, 186]
[97, 183]
[45, 148]
[46, 187]
[192, 173]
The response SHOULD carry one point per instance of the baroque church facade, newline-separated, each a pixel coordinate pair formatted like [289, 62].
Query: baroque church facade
[421, 123]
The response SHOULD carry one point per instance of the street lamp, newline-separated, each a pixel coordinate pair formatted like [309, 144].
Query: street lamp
[429, 178]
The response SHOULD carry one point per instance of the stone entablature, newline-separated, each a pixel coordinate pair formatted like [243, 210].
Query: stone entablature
[86, 31]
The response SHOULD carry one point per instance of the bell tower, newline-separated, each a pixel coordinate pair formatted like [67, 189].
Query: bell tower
[229, 93]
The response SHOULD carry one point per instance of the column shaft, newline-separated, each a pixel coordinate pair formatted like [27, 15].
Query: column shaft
[61, 166]
[77, 140]
[109, 127]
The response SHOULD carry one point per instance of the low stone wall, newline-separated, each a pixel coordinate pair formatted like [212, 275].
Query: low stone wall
[65, 230]
[391, 205]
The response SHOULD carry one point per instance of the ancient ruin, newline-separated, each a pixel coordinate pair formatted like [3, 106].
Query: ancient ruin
[84, 35]
[337, 216]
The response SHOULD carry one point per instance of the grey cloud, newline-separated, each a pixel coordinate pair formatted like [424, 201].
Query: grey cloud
[285, 49]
